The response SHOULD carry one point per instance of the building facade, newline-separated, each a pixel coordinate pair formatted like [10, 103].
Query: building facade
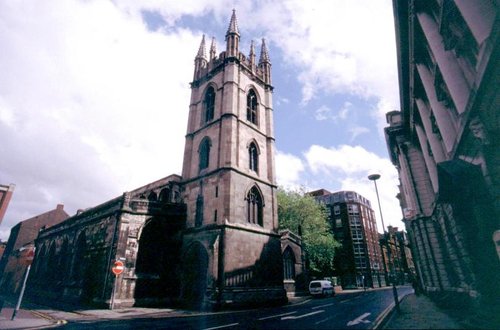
[396, 255]
[22, 237]
[5, 196]
[445, 145]
[358, 262]
[206, 239]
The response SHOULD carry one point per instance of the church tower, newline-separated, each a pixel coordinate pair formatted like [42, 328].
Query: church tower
[231, 248]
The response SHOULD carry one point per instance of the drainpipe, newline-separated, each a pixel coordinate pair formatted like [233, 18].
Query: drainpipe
[220, 267]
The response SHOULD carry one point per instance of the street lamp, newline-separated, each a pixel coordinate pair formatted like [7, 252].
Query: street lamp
[374, 178]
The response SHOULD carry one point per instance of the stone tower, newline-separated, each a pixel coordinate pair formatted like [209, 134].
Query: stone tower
[231, 248]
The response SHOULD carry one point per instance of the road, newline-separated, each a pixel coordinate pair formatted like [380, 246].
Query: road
[357, 310]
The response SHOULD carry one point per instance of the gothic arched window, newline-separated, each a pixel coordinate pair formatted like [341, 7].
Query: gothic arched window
[78, 266]
[209, 105]
[288, 264]
[165, 195]
[204, 153]
[252, 107]
[254, 207]
[253, 156]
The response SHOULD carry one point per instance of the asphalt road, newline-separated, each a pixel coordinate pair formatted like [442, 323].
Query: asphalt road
[357, 310]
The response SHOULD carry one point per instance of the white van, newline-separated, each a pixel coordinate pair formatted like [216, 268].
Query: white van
[321, 288]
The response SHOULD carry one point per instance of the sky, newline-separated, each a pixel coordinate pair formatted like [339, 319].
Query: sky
[94, 95]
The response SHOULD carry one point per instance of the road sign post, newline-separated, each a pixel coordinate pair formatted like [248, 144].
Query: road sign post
[117, 269]
[28, 259]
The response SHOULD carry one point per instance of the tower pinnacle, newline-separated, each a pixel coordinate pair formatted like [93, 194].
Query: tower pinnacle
[264, 54]
[265, 62]
[200, 61]
[232, 37]
[213, 49]
[202, 51]
[233, 25]
[252, 54]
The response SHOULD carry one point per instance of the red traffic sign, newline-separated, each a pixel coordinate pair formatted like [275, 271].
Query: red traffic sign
[118, 267]
[29, 257]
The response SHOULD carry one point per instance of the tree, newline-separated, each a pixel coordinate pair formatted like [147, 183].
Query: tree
[301, 214]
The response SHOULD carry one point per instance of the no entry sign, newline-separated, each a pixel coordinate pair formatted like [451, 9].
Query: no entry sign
[117, 268]
[29, 257]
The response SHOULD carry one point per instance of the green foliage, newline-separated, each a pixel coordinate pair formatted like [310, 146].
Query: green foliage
[301, 214]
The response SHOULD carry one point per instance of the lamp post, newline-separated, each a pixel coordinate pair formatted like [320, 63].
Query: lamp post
[374, 178]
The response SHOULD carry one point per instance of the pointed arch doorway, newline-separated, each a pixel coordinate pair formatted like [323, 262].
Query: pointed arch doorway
[156, 265]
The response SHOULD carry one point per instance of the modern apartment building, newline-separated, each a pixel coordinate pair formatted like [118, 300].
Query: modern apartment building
[445, 144]
[358, 262]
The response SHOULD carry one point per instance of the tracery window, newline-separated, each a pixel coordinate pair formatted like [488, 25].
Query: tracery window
[209, 105]
[253, 156]
[254, 207]
[204, 153]
[252, 114]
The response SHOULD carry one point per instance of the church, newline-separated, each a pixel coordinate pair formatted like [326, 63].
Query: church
[206, 239]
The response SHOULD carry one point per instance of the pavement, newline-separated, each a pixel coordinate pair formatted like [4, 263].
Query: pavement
[416, 312]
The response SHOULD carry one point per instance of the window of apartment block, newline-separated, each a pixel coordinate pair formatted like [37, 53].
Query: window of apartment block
[336, 209]
[338, 223]
[353, 209]
[355, 221]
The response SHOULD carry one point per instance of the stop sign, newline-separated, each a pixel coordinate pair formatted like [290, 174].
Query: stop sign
[117, 268]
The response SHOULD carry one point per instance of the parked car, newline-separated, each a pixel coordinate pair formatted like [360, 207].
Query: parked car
[321, 288]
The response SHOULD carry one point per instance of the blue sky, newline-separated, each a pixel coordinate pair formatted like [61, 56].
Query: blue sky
[94, 95]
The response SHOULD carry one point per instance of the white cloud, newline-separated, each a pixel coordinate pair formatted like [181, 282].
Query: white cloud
[288, 170]
[6, 113]
[338, 46]
[323, 113]
[349, 167]
[91, 103]
[344, 111]
[357, 131]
